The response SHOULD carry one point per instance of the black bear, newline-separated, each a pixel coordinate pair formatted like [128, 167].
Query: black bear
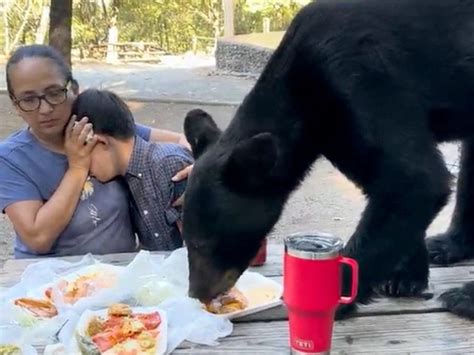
[373, 86]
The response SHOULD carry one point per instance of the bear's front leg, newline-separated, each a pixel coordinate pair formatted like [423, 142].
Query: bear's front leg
[458, 242]
[460, 300]
[391, 232]
[410, 277]
[453, 246]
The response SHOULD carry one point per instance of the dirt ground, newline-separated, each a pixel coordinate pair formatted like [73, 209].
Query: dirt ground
[326, 201]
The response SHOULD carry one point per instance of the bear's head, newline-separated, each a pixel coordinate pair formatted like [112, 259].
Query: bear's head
[231, 203]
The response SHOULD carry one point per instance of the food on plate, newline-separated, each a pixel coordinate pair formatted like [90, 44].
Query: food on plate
[71, 292]
[83, 286]
[228, 302]
[120, 310]
[121, 332]
[9, 349]
[40, 308]
[94, 327]
[86, 345]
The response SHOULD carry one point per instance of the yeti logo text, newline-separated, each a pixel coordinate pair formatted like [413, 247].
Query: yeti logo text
[304, 344]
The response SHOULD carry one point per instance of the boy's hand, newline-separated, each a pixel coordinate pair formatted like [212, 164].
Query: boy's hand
[179, 201]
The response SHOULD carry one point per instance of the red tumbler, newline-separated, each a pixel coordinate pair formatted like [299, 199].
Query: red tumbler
[312, 278]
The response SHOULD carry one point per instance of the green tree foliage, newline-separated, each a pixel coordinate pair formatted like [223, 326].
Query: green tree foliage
[171, 24]
[89, 23]
[20, 21]
[249, 14]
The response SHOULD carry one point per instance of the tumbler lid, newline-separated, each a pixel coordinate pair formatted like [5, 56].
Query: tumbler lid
[313, 246]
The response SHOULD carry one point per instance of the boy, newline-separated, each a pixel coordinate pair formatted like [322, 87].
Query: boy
[147, 168]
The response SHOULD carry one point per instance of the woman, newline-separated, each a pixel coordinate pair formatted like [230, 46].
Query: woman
[45, 190]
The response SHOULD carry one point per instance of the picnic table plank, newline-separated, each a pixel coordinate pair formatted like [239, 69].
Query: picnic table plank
[272, 266]
[396, 334]
[10, 277]
[117, 259]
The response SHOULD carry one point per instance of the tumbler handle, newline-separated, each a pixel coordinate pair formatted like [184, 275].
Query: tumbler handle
[355, 280]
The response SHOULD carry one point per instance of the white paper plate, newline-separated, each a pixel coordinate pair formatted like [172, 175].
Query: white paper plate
[87, 270]
[261, 292]
[88, 315]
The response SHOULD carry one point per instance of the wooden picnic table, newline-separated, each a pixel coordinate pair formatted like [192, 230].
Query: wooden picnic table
[401, 326]
[126, 51]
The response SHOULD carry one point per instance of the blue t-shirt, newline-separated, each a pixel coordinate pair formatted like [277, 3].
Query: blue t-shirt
[101, 222]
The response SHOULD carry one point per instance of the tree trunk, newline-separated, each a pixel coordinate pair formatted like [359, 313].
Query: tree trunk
[229, 29]
[60, 20]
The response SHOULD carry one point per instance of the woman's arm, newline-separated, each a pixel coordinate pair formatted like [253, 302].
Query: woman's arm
[39, 224]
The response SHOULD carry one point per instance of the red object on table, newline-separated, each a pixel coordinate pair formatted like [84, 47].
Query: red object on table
[312, 280]
[261, 256]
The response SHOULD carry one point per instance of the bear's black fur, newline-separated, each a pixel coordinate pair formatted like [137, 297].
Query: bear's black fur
[460, 300]
[373, 86]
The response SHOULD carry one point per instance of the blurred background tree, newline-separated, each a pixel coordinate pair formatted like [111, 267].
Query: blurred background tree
[60, 21]
[170, 24]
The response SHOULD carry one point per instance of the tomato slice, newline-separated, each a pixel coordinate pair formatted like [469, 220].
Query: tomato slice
[114, 333]
[149, 320]
[105, 340]
[128, 352]
[113, 322]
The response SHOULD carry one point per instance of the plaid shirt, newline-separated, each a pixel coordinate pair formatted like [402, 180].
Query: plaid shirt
[148, 177]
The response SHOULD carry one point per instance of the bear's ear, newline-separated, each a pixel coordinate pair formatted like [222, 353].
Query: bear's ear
[251, 163]
[201, 131]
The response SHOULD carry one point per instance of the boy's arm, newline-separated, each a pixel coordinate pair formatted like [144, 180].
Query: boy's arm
[162, 135]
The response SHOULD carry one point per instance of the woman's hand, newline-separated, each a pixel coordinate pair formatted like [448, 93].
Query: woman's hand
[78, 143]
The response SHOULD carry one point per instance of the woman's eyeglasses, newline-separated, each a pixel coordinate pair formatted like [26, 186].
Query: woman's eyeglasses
[33, 102]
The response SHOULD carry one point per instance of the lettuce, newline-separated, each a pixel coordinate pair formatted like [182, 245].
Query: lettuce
[155, 292]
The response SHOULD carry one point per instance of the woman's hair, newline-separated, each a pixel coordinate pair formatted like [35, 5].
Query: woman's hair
[39, 51]
[107, 112]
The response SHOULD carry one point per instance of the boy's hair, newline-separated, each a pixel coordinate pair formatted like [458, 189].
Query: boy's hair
[107, 112]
